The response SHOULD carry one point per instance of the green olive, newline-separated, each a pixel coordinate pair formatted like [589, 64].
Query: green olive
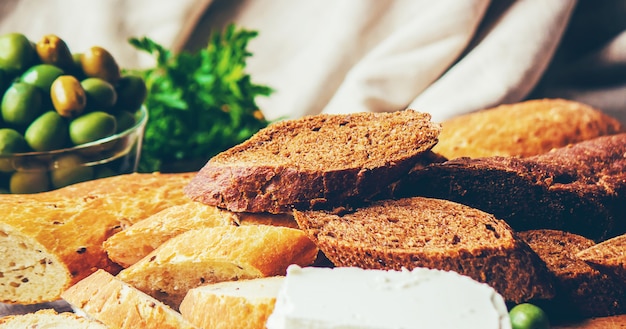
[42, 76]
[16, 53]
[92, 126]
[125, 120]
[97, 62]
[100, 93]
[21, 104]
[31, 181]
[11, 142]
[528, 316]
[53, 50]
[48, 132]
[70, 169]
[131, 93]
[68, 96]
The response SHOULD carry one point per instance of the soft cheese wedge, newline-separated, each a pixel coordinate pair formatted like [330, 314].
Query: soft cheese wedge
[350, 297]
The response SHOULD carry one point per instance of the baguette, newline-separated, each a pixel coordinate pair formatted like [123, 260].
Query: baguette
[432, 233]
[216, 254]
[523, 129]
[579, 188]
[53, 239]
[581, 290]
[103, 297]
[49, 318]
[315, 162]
[243, 304]
[134, 243]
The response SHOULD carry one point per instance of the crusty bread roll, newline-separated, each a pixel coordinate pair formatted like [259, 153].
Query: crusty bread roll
[51, 240]
[49, 318]
[522, 129]
[132, 244]
[216, 254]
[433, 233]
[242, 304]
[103, 297]
[314, 162]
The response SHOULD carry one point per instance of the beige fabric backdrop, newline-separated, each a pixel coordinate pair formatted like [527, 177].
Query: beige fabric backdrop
[445, 57]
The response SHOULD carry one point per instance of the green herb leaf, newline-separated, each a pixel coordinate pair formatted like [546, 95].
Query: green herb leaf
[200, 103]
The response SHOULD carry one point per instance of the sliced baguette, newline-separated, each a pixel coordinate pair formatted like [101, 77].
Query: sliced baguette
[579, 188]
[216, 254]
[243, 304]
[49, 318]
[134, 243]
[523, 129]
[581, 290]
[321, 161]
[438, 234]
[51, 240]
[117, 304]
[608, 256]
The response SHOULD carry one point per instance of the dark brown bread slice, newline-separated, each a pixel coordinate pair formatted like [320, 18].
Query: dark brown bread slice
[578, 188]
[608, 256]
[315, 162]
[580, 289]
[439, 234]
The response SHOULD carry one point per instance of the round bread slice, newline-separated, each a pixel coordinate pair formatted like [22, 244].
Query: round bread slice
[432, 233]
[315, 162]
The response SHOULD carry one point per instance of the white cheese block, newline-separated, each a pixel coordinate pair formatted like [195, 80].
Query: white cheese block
[356, 298]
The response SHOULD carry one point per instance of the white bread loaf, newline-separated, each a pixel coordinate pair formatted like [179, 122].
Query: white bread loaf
[132, 244]
[216, 254]
[243, 304]
[117, 304]
[49, 318]
[51, 240]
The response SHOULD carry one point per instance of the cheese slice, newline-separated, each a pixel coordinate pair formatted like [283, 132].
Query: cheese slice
[350, 297]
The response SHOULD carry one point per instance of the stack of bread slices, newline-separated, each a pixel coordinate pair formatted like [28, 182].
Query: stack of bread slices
[376, 191]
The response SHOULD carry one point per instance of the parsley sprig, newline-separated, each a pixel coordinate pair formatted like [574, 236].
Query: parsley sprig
[201, 103]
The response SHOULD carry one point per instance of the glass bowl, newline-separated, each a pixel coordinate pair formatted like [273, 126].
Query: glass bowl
[35, 172]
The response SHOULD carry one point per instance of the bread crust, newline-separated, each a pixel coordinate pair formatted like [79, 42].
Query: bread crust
[119, 305]
[315, 162]
[608, 256]
[432, 233]
[69, 225]
[523, 129]
[49, 318]
[578, 188]
[216, 254]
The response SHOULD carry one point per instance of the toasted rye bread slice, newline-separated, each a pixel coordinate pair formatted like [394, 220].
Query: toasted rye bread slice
[578, 188]
[242, 304]
[581, 290]
[103, 297]
[315, 162]
[438, 234]
[607, 256]
[216, 254]
[523, 129]
[53, 239]
[49, 318]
